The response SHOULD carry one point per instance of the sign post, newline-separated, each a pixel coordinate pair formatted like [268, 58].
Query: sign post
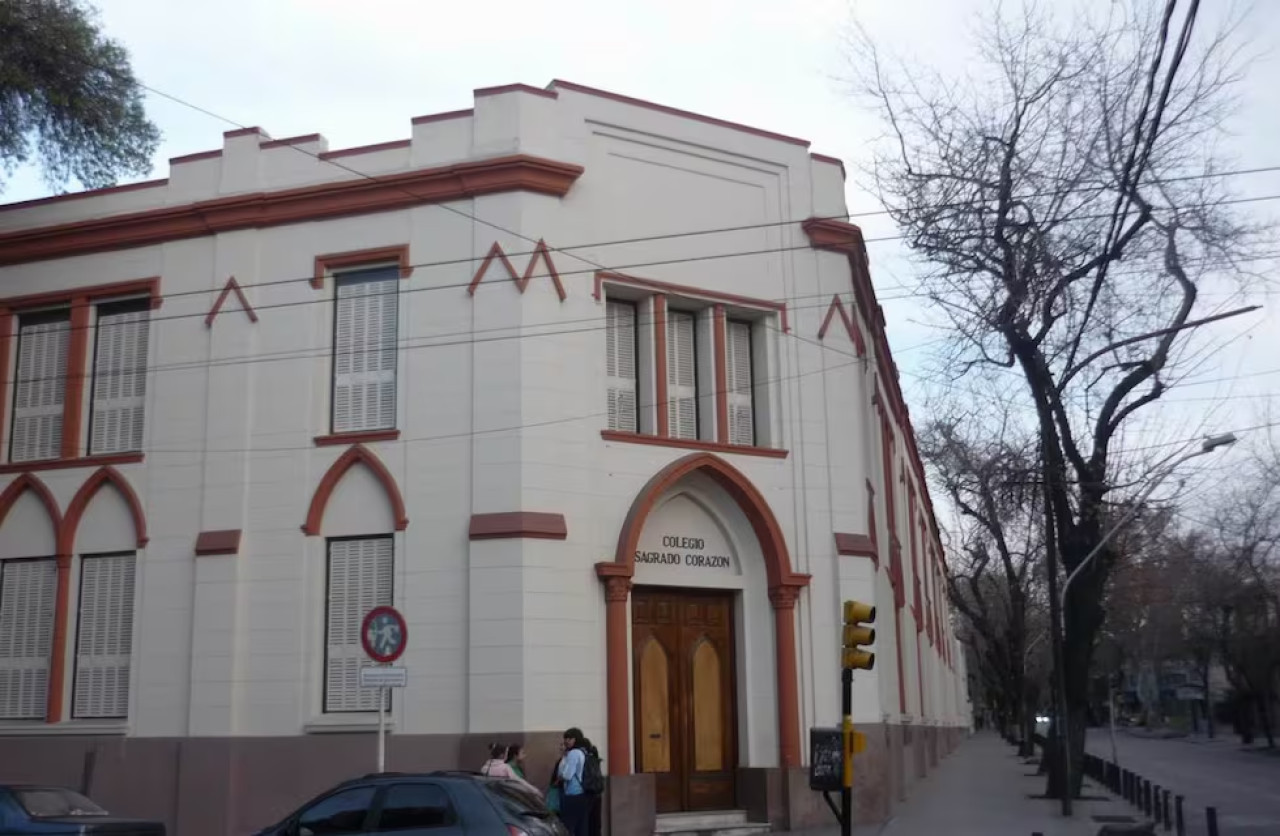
[383, 635]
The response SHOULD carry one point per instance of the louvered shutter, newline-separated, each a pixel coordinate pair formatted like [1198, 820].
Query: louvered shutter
[620, 362]
[682, 378]
[119, 380]
[27, 591]
[359, 580]
[39, 389]
[104, 643]
[364, 351]
[739, 383]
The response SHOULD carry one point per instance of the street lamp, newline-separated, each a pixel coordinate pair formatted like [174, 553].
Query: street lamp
[1210, 444]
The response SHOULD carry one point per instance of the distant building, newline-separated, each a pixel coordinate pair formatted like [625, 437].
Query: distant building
[614, 475]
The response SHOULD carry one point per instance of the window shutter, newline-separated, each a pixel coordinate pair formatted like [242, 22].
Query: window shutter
[620, 348]
[27, 591]
[364, 351]
[682, 380]
[104, 644]
[120, 381]
[359, 580]
[39, 389]
[739, 383]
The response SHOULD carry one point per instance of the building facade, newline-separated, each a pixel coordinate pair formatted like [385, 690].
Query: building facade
[594, 391]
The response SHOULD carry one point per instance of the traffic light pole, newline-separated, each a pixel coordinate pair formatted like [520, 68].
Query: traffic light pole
[846, 790]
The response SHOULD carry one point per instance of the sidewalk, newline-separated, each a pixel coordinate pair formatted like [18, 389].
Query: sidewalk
[984, 789]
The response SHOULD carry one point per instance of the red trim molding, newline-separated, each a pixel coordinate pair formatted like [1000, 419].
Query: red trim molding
[604, 277]
[364, 437]
[784, 587]
[232, 286]
[359, 454]
[226, 541]
[254, 210]
[77, 377]
[64, 464]
[512, 525]
[441, 117]
[857, 545]
[522, 280]
[514, 88]
[326, 264]
[850, 325]
[30, 482]
[660, 416]
[6, 342]
[134, 287]
[393, 145]
[692, 444]
[99, 479]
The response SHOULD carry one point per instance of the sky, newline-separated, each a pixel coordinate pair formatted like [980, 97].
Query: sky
[357, 73]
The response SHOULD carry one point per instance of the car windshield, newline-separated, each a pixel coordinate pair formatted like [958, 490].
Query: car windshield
[51, 802]
[516, 799]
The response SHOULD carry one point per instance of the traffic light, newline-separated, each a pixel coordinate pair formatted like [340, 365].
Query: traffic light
[857, 635]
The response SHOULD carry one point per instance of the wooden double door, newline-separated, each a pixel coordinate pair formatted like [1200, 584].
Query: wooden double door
[686, 725]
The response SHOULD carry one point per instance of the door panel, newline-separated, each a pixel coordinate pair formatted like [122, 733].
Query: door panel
[686, 727]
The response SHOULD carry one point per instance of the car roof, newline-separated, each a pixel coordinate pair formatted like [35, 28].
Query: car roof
[447, 774]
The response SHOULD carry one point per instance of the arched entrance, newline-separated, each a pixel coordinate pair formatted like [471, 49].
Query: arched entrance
[784, 587]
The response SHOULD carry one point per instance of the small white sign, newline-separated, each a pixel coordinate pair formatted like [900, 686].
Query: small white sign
[379, 677]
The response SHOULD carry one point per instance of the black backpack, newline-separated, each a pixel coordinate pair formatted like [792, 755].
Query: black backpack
[592, 777]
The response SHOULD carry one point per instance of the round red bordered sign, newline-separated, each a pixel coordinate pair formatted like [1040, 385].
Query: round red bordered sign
[383, 634]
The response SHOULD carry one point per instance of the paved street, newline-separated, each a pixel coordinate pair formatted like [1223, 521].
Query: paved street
[1243, 785]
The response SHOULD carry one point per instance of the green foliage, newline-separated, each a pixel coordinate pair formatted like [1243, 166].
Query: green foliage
[68, 97]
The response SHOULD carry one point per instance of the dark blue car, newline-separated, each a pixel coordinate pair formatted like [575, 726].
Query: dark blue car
[55, 811]
[436, 804]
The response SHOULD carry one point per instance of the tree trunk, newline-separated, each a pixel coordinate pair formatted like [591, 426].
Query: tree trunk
[1208, 700]
[1264, 717]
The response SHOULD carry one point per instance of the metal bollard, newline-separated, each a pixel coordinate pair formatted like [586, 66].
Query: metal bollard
[1164, 805]
[1125, 785]
[1182, 823]
[1146, 797]
[1211, 816]
[1155, 803]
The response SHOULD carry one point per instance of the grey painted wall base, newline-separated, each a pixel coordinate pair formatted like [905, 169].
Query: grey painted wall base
[217, 786]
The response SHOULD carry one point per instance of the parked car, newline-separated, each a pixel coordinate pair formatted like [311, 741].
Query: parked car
[439, 804]
[57, 811]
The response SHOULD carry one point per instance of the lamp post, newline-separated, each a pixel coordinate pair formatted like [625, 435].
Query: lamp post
[1210, 444]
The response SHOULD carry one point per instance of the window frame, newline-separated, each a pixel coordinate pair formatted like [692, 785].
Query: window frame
[53, 617]
[75, 643]
[324, 624]
[143, 305]
[751, 372]
[692, 314]
[638, 358]
[58, 313]
[342, 276]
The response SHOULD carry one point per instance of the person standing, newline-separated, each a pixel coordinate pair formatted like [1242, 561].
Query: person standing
[497, 767]
[515, 760]
[575, 804]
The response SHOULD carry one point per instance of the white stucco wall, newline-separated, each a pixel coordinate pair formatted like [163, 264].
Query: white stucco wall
[500, 406]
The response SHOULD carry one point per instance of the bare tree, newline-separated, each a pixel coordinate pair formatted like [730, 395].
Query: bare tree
[1244, 585]
[1064, 204]
[990, 483]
